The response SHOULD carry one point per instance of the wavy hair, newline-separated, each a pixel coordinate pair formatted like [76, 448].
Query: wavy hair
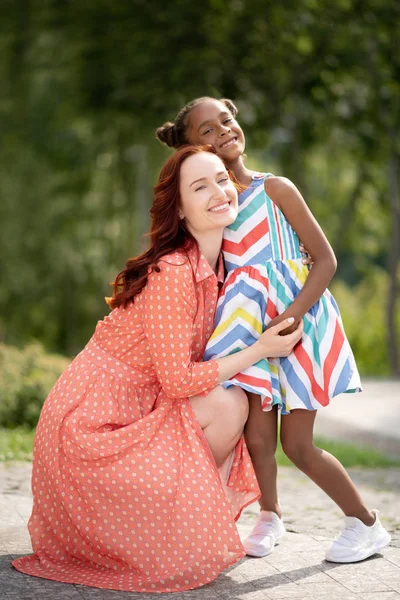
[167, 231]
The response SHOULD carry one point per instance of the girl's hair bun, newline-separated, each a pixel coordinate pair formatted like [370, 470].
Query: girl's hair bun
[167, 134]
[230, 106]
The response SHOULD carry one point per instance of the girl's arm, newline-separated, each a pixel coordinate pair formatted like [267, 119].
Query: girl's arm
[289, 200]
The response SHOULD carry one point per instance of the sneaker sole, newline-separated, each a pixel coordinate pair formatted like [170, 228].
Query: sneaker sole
[255, 554]
[365, 553]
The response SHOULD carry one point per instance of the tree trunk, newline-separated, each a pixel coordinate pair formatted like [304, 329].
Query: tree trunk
[347, 214]
[394, 259]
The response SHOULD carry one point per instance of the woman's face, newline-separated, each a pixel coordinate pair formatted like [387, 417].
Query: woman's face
[209, 199]
[211, 123]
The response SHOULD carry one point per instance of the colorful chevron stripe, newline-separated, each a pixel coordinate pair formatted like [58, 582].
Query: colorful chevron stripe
[265, 274]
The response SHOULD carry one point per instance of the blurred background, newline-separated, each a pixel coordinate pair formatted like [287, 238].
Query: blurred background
[83, 86]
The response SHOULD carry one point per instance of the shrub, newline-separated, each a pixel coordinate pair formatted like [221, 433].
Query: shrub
[363, 311]
[26, 377]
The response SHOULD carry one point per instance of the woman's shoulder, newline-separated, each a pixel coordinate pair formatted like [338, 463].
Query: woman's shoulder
[177, 261]
[175, 265]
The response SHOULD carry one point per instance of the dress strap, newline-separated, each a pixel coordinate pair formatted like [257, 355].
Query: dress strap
[258, 176]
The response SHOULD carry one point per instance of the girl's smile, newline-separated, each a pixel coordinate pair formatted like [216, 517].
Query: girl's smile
[211, 123]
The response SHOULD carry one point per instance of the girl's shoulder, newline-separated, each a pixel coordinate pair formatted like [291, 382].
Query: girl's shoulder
[276, 185]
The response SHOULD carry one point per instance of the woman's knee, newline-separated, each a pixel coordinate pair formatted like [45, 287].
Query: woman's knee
[229, 406]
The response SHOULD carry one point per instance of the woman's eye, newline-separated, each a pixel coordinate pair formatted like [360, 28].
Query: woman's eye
[201, 187]
[223, 180]
[228, 120]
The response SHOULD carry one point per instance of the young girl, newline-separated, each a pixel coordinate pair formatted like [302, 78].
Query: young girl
[267, 282]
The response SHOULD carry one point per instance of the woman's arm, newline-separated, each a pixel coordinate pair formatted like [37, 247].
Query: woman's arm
[269, 345]
[289, 200]
[168, 306]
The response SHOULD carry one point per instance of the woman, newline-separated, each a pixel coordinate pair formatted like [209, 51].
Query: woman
[127, 492]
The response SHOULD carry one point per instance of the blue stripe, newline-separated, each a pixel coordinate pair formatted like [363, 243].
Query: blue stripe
[272, 228]
[229, 265]
[247, 211]
[238, 333]
[249, 190]
[296, 384]
[285, 236]
[291, 238]
[241, 286]
[275, 383]
[333, 302]
[288, 276]
[261, 257]
[343, 379]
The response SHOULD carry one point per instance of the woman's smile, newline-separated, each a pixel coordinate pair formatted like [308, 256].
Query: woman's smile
[220, 207]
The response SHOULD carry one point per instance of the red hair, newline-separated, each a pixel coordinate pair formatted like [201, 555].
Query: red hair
[167, 230]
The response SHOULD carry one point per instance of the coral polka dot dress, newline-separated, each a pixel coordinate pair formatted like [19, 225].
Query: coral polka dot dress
[126, 493]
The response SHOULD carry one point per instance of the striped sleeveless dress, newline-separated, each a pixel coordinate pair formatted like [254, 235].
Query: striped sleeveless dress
[264, 276]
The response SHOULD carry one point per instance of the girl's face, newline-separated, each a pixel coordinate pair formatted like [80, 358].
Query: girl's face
[209, 199]
[211, 123]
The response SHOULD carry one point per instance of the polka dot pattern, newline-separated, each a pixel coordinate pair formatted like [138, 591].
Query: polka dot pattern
[126, 493]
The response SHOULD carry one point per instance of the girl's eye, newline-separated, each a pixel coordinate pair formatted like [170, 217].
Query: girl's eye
[206, 131]
[228, 120]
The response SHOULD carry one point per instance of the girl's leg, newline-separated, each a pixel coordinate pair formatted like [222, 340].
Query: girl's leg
[261, 439]
[222, 415]
[320, 466]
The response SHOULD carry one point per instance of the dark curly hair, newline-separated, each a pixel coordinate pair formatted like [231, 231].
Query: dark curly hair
[174, 134]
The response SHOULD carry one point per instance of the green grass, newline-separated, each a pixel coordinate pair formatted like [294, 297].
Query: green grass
[16, 444]
[348, 454]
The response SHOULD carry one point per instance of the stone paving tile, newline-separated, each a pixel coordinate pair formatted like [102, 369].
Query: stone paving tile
[393, 555]
[296, 569]
[381, 596]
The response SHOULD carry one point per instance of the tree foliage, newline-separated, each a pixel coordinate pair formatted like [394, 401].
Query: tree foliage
[84, 85]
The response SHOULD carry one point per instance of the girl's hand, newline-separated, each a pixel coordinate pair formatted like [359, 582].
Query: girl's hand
[306, 260]
[274, 344]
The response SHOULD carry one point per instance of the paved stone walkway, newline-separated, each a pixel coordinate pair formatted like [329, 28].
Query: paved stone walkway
[296, 568]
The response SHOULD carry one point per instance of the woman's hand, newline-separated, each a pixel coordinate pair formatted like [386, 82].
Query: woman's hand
[306, 260]
[274, 344]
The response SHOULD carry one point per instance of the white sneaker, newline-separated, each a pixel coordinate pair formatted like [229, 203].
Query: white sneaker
[358, 541]
[269, 528]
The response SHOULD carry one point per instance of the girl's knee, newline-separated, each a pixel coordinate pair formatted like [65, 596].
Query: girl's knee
[259, 444]
[299, 452]
[261, 434]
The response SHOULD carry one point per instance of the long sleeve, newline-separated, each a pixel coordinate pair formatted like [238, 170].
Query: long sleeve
[169, 307]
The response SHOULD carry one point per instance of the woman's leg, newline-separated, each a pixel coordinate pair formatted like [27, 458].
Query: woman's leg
[222, 415]
[320, 466]
[261, 439]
